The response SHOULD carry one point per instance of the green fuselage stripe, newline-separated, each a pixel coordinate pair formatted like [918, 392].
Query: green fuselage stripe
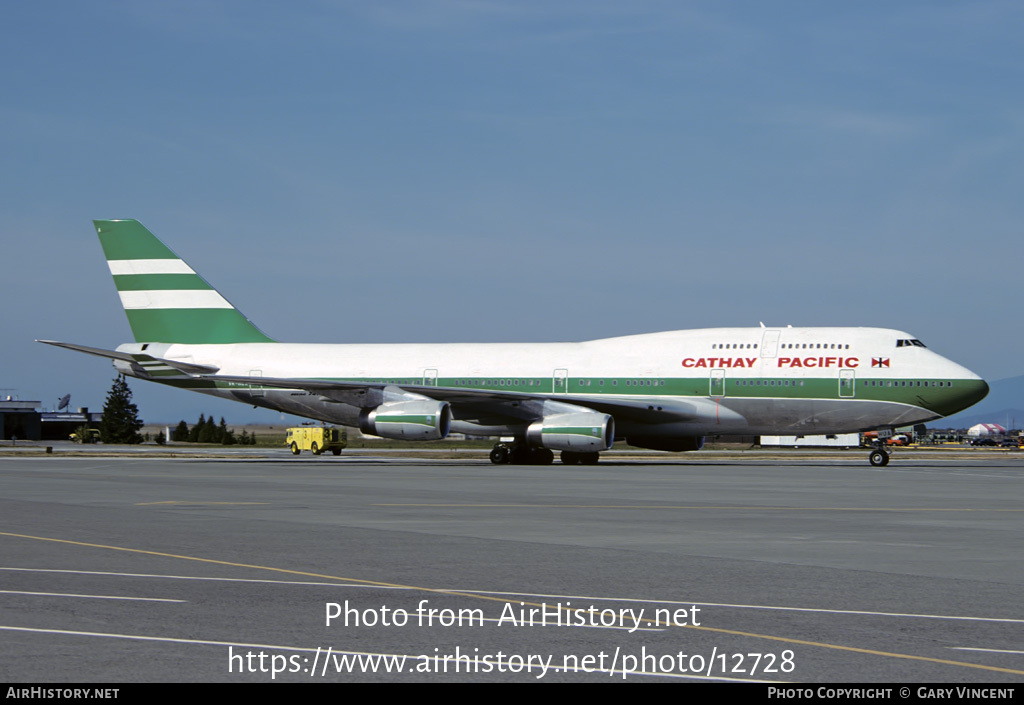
[944, 400]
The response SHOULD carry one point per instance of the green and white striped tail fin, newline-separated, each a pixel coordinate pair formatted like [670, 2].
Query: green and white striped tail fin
[164, 299]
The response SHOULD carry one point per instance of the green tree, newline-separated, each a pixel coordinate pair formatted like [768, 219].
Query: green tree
[121, 421]
[226, 436]
[180, 434]
[207, 430]
[193, 434]
[84, 434]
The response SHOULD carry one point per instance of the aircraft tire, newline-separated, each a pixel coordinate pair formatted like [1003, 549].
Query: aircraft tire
[500, 455]
[541, 456]
[569, 458]
[590, 458]
[295, 449]
[520, 455]
[879, 458]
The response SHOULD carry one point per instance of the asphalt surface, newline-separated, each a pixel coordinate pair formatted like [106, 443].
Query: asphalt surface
[147, 569]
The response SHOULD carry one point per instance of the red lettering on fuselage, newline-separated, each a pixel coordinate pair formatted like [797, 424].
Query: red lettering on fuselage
[719, 362]
[791, 362]
[818, 362]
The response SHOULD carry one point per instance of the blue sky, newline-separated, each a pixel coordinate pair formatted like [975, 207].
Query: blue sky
[514, 171]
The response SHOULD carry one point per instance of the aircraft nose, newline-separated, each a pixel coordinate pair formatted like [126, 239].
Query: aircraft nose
[980, 391]
[966, 393]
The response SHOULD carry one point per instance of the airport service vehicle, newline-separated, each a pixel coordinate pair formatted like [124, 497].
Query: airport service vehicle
[842, 440]
[663, 391]
[871, 438]
[92, 436]
[315, 439]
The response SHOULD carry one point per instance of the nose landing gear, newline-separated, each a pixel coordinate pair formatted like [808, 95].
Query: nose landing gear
[878, 458]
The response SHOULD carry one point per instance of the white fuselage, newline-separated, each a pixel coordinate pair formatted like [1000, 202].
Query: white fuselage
[689, 382]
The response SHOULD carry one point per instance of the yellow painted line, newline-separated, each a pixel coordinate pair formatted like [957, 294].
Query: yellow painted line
[91, 597]
[678, 506]
[715, 630]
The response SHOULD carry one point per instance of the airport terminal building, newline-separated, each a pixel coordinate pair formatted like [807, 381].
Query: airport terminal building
[22, 420]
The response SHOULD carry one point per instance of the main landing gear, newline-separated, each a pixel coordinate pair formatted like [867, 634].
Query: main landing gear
[522, 454]
[570, 458]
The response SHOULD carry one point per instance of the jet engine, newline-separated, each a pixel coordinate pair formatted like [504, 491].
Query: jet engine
[426, 420]
[580, 432]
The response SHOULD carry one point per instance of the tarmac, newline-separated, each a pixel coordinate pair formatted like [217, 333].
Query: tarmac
[377, 567]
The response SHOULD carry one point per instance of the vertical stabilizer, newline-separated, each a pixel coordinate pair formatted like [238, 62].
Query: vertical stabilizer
[164, 299]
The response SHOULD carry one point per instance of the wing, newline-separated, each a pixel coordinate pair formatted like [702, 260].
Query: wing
[487, 406]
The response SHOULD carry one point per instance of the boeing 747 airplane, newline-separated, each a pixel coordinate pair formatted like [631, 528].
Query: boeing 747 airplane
[663, 391]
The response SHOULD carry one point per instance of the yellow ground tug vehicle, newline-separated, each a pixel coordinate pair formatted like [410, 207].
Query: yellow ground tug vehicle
[315, 439]
[92, 435]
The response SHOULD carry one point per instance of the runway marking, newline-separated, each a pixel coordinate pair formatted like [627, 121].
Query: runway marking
[339, 652]
[454, 593]
[591, 598]
[182, 501]
[813, 610]
[680, 506]
[93, 597]
[174, 577]
[988, 651]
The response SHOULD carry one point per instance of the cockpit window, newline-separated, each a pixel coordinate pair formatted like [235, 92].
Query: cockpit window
[908, 343]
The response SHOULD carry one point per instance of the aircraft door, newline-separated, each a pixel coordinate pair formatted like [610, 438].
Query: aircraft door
[429, 378]
[256, 389]
[770, 343]
[560, 382]
[717, 383]
[847, 383]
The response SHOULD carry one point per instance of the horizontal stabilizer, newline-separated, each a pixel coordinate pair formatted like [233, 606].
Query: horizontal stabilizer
[147, 362]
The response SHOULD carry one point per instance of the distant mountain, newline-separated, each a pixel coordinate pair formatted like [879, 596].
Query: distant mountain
[1004, 405]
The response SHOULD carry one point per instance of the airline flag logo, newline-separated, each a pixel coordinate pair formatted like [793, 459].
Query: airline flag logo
[879, 362]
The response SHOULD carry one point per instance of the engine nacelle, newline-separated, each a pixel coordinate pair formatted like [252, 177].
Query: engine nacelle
[674, 444]
[582, 432]
[425, 420]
